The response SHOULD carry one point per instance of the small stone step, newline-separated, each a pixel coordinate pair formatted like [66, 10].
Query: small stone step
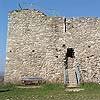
[72, 85]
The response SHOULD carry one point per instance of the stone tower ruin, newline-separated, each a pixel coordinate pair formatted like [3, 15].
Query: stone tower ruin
[37, 45]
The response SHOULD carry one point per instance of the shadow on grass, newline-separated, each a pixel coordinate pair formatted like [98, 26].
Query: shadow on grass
[4, 90]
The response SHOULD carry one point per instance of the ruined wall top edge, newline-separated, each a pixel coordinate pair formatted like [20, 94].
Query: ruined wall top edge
[41, 13]
[25, 10]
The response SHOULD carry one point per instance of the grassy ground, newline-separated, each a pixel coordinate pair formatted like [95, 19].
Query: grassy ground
[50, 92]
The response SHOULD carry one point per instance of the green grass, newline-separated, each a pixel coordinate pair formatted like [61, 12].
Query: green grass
[50, 92]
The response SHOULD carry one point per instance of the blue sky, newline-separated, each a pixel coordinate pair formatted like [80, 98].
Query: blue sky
[68, 8]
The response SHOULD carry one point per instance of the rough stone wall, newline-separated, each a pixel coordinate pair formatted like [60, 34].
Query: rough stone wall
[84, 37]
[32, 46]
[37, 44]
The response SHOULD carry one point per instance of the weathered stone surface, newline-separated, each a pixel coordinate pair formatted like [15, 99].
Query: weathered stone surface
[71, 77]
[86, 41]
[37, 44]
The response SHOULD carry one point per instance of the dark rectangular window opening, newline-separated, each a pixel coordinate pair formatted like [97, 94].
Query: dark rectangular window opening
[70, 52]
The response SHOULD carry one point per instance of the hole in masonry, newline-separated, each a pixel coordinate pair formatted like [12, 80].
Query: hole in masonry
[70, 52]
[56, 49]
[63, 45]
[68, 23]
[33, 50]
[87, 56]
[89, 46]
[10, 51]
[56, 56]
